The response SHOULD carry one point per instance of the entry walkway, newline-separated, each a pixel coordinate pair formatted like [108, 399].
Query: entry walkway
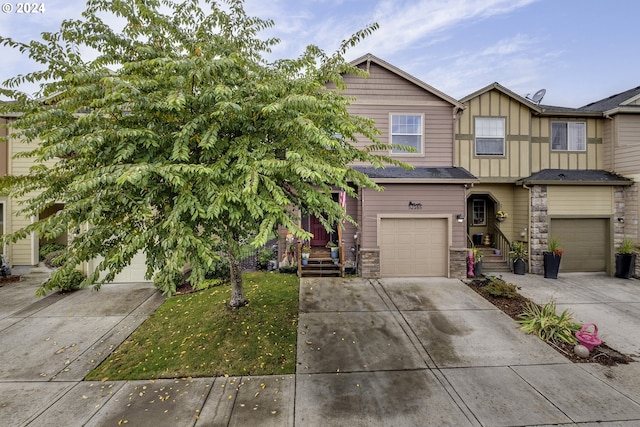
[410, 352]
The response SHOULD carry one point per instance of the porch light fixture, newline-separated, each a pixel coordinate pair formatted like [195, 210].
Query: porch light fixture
[621, 220]
[460, 217]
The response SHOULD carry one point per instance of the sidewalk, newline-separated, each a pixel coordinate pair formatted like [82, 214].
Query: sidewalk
[381, 352]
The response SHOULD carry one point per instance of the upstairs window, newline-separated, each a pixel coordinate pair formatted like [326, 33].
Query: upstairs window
[568, 136]
[406, 129]
[489, 136]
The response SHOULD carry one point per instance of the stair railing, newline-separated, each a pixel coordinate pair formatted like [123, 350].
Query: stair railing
[502, 243]
[299, 258]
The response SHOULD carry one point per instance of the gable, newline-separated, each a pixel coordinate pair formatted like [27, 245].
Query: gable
[383, 86]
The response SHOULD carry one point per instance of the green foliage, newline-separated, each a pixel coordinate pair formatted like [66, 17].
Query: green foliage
[554, 246]
[628, 246]
[547, 324]
[54, 259]
[66, 281]
[518, 251]
[288, 269]
[264, 256]
[196, 335]
[47, 248]
[185, 133]
[499, 288]
[219, 269]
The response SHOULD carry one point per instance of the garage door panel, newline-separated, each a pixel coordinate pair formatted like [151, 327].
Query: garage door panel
[585, 242]
[413, 247]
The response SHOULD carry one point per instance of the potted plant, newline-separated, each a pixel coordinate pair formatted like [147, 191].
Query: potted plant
[477, 262]
[334, 249]
[306, 252]
[552, 259]
[518, 255]
[626, 259]
[501, 216]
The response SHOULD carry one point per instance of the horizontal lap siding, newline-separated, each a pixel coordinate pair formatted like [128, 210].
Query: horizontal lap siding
[435, 199]
[385, 93]
[575, 200]
[627, 150]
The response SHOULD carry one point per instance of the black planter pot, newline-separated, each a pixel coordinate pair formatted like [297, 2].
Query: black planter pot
[519, 266]
[551, 265]
[477, 269]
[625, 265]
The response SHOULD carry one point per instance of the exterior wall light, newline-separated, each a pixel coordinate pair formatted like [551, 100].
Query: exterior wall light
[460, 217]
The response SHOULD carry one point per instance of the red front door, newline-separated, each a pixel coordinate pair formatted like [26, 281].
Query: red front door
[320, 235]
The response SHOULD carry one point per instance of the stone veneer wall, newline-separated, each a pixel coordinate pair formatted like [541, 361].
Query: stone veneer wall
[620, 229]
[369, 267]
[539, 228]
[458, 263]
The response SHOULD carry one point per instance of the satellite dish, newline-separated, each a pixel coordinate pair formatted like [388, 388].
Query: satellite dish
[537, 97]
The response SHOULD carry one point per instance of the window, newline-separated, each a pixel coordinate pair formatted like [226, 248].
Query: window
[568, 136]
[479, 212]
[406, 129]
[489, 136]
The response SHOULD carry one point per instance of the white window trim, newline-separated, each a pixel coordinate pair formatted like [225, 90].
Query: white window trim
[475, 137]
[421, 151]
[568, 150]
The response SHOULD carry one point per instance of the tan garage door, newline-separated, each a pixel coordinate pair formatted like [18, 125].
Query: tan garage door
[413, 247]
[585, 243]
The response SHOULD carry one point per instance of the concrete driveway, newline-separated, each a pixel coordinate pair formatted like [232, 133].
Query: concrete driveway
[382, 352]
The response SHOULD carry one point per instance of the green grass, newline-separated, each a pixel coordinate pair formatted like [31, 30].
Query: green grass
[197, 335]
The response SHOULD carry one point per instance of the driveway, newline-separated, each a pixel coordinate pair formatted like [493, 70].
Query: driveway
[370, 352]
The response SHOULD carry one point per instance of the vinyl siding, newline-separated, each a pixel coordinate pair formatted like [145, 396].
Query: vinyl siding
[385, 93]
[4, 148]
[527, 141]
[509, 198]
[626, 134]
[437, 201]
[577, 201]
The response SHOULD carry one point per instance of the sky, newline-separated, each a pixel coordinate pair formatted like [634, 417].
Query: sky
[580, 51]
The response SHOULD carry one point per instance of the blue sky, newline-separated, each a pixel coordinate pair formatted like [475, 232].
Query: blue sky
[578, 50]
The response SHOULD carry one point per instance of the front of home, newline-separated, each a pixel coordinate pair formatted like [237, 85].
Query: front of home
[544, 167]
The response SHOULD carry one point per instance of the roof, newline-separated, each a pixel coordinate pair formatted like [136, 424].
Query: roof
[419, 174]
[616, 103]
[372, 58]
[575, 177]
[497, 86]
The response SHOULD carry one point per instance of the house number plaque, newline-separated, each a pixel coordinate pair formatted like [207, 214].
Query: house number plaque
[414, 205]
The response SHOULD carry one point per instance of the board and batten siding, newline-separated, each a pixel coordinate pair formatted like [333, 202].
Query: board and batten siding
[542, 157]
[510, 199]
[580, 200]
[438, 200]
[527, 141]
[515, 163]
[385, 93]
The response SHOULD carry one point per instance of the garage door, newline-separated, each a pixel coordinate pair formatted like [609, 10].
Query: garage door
[413, 247]
[585, 243]
[133, 273]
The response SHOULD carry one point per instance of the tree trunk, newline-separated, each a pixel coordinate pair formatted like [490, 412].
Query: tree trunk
[237, 292]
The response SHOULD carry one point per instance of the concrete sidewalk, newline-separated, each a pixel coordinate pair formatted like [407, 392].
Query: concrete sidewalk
[408, 352]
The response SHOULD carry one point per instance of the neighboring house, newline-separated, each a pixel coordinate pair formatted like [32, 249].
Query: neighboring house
[26, 253]
[545, 167]
[416, 226]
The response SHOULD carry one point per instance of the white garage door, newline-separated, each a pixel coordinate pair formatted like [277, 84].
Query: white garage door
[133, 273]
[413, 247]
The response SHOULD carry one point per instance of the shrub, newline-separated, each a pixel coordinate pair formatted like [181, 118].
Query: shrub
[500, 288]
[288, 269]
[66, 281]
[547, 324]
[264, 256]
[47, 248]
[220, 269]
[53, 259]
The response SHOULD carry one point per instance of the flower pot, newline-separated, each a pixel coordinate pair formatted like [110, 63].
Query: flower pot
[551, 265]
[477, 269]
[334, 252]
[305, 261]
[497, 251]
[519, 266]
[500, 219]
[625, 265]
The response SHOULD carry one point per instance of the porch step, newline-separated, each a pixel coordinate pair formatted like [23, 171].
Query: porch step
[320, 264]
[492, 262]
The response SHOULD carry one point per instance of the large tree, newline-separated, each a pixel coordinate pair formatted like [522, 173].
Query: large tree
[180, 136]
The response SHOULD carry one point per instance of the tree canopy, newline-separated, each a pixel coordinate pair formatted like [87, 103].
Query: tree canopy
[180, 136]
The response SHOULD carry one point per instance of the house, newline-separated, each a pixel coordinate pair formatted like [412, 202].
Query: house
[415, 226]
[547, 168]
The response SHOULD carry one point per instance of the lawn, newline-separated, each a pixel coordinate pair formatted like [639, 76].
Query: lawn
[197, 335]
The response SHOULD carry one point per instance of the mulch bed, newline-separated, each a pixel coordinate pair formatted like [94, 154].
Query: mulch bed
[601, 354]
[9, 279]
